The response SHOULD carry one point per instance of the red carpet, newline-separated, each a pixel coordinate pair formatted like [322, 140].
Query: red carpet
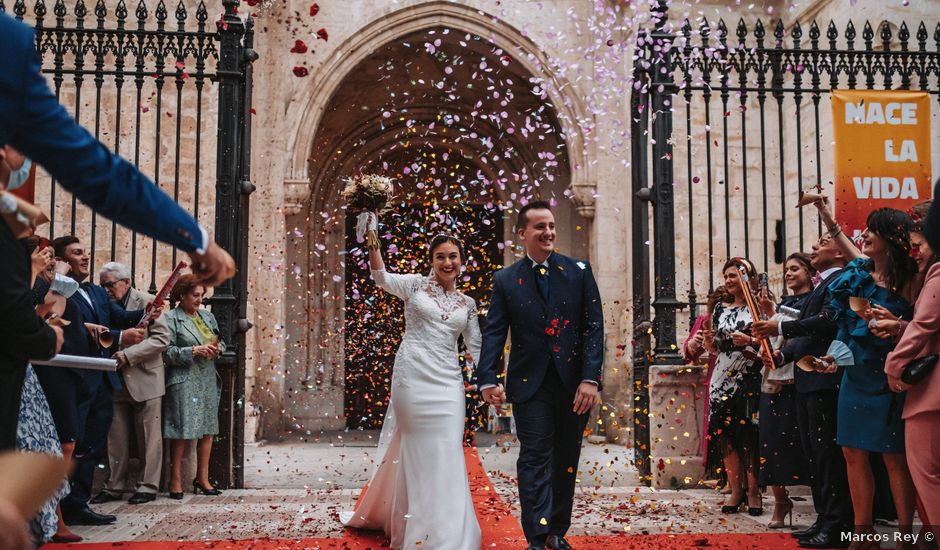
[501, 530]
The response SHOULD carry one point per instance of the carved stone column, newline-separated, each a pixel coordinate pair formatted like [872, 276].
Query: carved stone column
[582, 194]
[296, 195]
[677, 399]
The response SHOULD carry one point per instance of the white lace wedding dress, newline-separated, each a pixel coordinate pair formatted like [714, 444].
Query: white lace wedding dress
[419, 493]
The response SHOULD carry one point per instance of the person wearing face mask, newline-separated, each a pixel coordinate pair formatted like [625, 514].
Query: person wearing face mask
[33, 122]
[419, 494]
[24, 335]
[550, 307]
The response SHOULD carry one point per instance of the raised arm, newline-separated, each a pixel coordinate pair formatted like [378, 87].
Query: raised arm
[370, 220]
[844, 243]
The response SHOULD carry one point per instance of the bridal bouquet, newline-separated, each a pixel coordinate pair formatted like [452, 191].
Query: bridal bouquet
[368, 194]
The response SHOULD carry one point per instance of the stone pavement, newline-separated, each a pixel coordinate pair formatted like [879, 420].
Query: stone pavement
[298, 486]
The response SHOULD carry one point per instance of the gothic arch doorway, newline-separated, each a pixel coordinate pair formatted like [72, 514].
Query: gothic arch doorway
[469, 135]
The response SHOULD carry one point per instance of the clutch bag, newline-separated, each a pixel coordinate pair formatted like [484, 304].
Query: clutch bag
[918, 369]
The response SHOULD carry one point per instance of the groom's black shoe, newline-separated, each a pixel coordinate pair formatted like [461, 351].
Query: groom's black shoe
[557, 542]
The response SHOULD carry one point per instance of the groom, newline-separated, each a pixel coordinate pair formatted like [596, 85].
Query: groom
[550, 305]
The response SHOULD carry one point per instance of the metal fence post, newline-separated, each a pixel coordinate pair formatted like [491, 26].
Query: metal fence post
[232, 189]
[662, 89]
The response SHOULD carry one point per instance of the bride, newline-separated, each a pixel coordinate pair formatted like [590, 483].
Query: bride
[419, 493]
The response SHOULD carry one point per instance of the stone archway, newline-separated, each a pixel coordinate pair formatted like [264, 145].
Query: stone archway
[456, 117]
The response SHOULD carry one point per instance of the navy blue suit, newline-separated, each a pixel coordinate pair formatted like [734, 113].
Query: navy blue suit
[556, 344]
[81, 399]
[33, 122]
[817, 397]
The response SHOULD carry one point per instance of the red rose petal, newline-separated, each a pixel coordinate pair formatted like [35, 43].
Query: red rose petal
[299, 47]
[314, 9]
[301, 71]
[322, 34]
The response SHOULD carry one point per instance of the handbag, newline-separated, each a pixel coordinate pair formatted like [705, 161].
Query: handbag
[918, 369]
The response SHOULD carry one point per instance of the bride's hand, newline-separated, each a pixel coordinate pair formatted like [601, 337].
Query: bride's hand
[495, 395]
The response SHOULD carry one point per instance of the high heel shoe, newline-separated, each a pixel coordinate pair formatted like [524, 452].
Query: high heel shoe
[755, 510]
[784, 508]
[67, 538]
[198, 488]
[176, 496]
[733, 508]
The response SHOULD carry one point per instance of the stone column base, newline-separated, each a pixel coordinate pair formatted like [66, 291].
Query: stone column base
[677, 399]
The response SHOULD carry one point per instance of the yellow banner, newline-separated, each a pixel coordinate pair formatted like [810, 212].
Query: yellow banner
[882, 148]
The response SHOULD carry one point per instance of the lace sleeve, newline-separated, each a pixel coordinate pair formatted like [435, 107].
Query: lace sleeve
[402, 286]
[471, 333]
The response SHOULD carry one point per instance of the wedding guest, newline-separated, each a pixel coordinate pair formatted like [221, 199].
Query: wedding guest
[921, 250]
[694, 353]
[25, 336]
[782, 458]
[734, 392]
[817, 399]
[917, 339]
[869, 420]
[36, 428]
[139, 403]
[33, 122]
[191, 404]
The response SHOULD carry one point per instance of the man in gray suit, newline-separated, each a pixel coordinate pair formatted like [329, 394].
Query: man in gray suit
[140, 402]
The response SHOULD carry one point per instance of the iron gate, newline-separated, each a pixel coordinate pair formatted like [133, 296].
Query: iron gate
[756, 130]
[140, 82]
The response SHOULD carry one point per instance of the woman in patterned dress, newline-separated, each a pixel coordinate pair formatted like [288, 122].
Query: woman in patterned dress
[734, 393]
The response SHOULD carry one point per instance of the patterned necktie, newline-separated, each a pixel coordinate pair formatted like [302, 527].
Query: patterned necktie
[817, 279]
[541, 280]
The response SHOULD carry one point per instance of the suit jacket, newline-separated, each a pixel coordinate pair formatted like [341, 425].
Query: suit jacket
[144, 376]
[178, 356]
[921, 338]
[33, 122]
[23, 335]
[811, 334]
[566, 334]
[101, 311]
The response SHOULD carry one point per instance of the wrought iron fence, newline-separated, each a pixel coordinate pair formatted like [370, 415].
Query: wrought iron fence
[752, 128]
[138, 80]
[144, 82]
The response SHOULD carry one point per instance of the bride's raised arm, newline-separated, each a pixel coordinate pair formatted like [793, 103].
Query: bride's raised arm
[402, 286]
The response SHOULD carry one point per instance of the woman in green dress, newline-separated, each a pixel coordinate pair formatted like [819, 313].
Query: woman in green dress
[191, 404]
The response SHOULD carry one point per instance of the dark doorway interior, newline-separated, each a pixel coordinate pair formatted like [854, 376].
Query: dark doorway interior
[374, 319]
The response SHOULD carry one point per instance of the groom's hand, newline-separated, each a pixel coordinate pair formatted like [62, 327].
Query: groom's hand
[495, 395]
[585, 398]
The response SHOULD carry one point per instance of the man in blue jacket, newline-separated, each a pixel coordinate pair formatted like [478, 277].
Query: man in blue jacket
[550, 305]
[81, 400]
[33, 122]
